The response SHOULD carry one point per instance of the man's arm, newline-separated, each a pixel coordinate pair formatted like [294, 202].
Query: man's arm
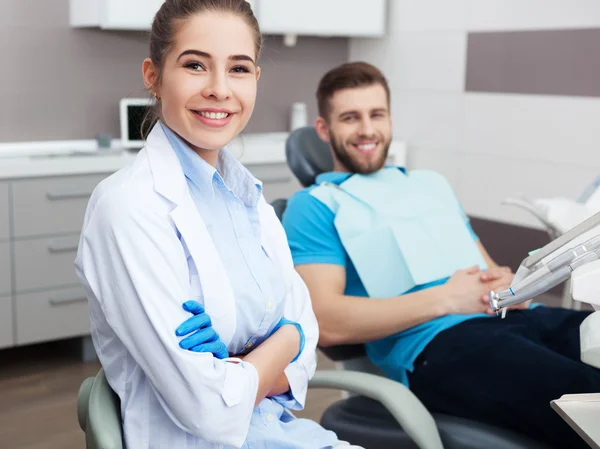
[350, 319]
[486, 256]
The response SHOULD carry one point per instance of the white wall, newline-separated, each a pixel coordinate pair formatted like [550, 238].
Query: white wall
[489, 146]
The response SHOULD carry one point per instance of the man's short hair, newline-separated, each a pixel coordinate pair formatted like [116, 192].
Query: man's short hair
[348, 76]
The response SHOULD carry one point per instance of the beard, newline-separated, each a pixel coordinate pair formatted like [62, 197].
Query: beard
[352, 161]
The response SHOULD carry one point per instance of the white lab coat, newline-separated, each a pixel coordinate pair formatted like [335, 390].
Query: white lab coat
[141, 232]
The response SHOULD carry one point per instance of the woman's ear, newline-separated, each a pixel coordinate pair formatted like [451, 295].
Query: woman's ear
[150, 75]
[257, 73]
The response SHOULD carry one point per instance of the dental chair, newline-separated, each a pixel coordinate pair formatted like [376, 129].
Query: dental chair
[359, 419]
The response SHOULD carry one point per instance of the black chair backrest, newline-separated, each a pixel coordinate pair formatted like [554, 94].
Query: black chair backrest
[307, 155]
[279, 206]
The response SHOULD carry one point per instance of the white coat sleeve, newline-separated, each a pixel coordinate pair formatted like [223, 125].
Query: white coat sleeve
[131, 260]
[298, 373]
[298, 308]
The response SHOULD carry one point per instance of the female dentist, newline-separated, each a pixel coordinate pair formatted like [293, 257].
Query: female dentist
[187, 221]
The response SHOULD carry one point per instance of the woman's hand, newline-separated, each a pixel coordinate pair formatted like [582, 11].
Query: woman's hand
[203, 337]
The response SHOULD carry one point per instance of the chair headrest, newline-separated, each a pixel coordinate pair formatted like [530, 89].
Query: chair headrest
[307, 155]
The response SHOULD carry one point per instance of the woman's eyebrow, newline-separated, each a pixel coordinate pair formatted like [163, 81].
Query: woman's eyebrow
[194, 52]
[208, 55]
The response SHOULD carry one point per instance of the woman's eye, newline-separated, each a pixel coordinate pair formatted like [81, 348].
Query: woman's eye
[195, 66]
[240, 69]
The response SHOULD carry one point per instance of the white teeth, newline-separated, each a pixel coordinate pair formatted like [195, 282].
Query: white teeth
[366, 146]
[214, 115]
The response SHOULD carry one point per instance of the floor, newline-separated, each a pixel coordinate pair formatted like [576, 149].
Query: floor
[38, 396]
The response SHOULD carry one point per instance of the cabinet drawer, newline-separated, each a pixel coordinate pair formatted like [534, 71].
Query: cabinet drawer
[45, 263]
[51, 315]
[4, 211]
[51, 205]
[278, 181]
[5, 269]
[6, 322]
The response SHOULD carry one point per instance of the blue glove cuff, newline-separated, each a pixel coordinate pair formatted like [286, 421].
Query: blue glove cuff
[300, 331]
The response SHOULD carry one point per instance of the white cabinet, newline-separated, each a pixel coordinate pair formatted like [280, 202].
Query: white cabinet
[4, 211]
[322, 17]
[350, 18]
[113, 14]
[5, 269]
[6, 322]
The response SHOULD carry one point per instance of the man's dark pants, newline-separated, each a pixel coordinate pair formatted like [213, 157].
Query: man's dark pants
[506, 372]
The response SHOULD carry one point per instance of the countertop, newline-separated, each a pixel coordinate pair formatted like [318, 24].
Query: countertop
[58, 158]
[76, 157]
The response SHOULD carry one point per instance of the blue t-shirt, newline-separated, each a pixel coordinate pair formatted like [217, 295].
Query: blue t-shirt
[313, 239]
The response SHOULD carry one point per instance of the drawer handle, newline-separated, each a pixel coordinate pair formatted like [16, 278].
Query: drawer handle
[55, 196]
[63, 246]
[67, 298]
[281, 178]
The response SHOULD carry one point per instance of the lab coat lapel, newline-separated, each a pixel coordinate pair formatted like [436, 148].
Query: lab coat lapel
[169, 181]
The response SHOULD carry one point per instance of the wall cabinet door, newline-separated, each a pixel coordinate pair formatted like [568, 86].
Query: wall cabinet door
[113, 14]
[322, 18]
[128, 14]
[349, 18]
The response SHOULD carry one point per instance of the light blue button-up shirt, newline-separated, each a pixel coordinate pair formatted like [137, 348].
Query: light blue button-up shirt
[227, 199]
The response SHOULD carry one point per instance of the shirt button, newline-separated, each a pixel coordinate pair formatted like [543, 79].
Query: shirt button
[270, 306]
[270, 417]
[249, 345]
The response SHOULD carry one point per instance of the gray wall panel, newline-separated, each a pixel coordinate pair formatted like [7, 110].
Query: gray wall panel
[551, 62]
[61, 83]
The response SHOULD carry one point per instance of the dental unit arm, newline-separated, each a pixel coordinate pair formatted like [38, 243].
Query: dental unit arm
[575, 255]
[552, 265]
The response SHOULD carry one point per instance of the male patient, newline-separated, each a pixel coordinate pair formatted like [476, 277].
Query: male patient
[391, 261]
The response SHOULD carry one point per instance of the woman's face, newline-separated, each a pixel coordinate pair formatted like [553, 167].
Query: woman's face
[209, 81]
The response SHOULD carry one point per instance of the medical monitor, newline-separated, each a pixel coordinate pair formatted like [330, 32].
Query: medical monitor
[131, 113]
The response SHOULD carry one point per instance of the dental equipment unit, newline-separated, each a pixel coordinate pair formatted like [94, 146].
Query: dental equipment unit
[552, 264]
[574, 255]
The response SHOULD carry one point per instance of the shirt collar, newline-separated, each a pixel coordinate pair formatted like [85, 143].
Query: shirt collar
[337, 177]
[235, 176]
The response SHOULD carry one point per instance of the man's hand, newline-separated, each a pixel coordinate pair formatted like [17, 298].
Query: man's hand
[463, 292]
[497, 279]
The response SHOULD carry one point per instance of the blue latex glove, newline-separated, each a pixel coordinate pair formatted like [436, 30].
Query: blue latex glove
[204, 338]
[282, 322]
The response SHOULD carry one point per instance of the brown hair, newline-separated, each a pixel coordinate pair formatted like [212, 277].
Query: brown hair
[348, 76]
[164, 27]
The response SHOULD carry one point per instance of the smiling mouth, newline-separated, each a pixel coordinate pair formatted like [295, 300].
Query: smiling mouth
[366, 148]
[213, 115]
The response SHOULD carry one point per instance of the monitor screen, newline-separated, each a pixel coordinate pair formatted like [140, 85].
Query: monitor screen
[132, 114]
[135, 116]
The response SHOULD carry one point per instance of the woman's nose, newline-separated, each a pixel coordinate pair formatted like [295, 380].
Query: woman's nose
[217, 87]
